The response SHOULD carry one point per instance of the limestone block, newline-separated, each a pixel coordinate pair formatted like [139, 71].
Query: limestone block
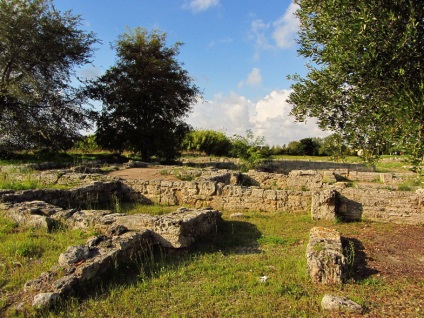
[270, 194]
[181, 228]
[191, 188]
[335, 303]
[136, 222]
[65, 285]
[33, 213]
[326, 263]
[207, 188]
[323, 206]
[258, 193]
[166, 183]
[77, 253]
[45, 300]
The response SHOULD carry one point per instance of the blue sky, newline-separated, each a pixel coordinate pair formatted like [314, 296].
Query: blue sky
[238, 53]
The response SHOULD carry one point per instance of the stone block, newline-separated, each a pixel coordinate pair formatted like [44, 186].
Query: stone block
[326, 263]
[336, 303]
[323, 205]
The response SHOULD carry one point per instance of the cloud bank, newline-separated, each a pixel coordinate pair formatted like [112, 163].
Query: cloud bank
[269, 117]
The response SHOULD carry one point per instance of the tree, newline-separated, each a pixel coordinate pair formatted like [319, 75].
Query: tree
[366, 72]
[249, 148]
[309, 146]
[145, 96]
[333, 146]
[39, 51]
[211, 142]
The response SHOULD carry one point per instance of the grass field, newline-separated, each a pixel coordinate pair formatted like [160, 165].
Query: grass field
[218, 277]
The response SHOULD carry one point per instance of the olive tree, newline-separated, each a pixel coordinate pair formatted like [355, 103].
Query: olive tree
[365, 76]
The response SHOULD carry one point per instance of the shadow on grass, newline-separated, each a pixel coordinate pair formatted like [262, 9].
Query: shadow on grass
[357, 265]
[230, 237]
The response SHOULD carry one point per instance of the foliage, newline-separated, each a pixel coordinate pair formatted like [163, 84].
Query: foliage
[333, 147]
[40, 49]
[87, 144]
[366, 72]
[309, 146]
[293, 148]
[145, 96]
[250, 148]
[211, 142]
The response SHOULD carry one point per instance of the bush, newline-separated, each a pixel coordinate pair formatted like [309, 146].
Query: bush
[212, 143]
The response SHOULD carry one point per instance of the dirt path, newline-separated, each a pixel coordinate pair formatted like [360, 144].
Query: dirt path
[143, 173]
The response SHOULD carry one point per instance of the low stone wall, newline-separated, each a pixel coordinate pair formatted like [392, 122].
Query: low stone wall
[379, 205]
[325, 200]
[85, 196]
[295, 180]
[125, 239]
[217, 195]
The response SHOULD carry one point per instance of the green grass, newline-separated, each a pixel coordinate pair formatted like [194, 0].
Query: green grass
[26, 180]
[217, 277]
[26, 253]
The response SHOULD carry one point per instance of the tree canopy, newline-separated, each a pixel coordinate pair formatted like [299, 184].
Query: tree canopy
[365, 72]
[39, 51]
[145, 96]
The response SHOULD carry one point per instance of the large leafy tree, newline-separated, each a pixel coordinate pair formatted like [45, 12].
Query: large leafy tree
[145, 97]
[366, 72]
[40, 49]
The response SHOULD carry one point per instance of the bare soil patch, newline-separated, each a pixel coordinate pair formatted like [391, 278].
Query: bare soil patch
[394, 250]
[143, 173]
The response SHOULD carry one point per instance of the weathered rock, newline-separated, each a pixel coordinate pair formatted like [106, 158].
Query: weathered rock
[41, 283]
[32, 214]
[116, 230]
[65, 285]
[323, 205]
[45, 300]
[335, 303]
[324, 254]
[184, 227]
[75, 254]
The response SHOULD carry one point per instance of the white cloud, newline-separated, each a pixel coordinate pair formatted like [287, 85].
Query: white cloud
[269, 117]
[258, 33]
[253, 79]
[200, 5]
[278, 34]
[286, 27]
[224, 113]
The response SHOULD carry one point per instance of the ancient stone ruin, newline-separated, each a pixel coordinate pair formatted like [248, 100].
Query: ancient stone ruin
[326, 193]
[124, 239]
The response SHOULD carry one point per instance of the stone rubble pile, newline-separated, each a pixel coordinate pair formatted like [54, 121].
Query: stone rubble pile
[124, 239]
